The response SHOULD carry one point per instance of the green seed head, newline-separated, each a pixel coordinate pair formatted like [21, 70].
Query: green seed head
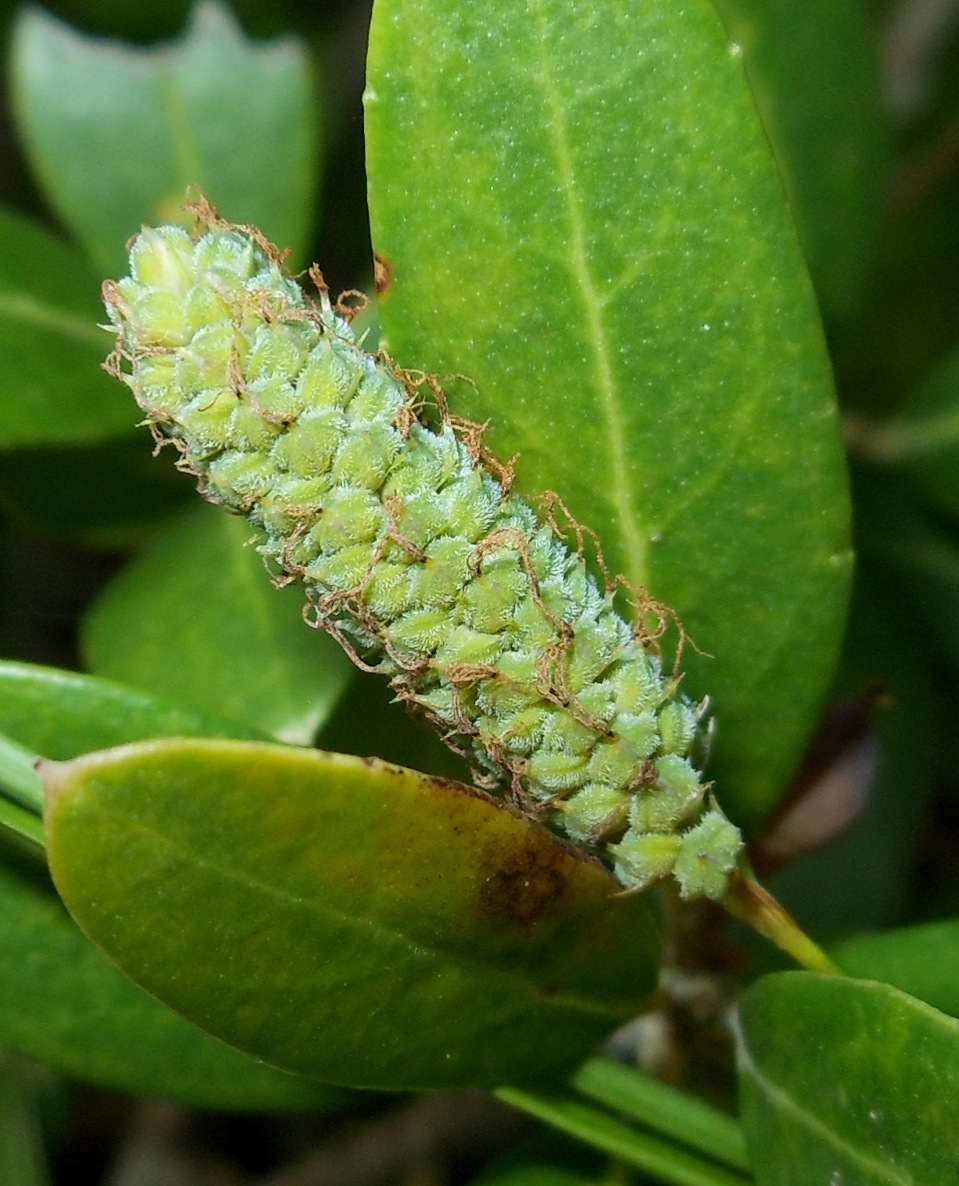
[413, 553]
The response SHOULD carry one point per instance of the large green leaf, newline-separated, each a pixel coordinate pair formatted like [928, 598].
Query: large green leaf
[847, 1081]
[814, 70]
[344, 918]
[61, 714]
[61, 1000]
[581, 213]
[117, 133]
[52, 389]
[921, 960]
[196, 620]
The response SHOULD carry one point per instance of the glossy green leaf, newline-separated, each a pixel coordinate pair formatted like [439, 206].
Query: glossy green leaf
[212, 110]
[52, 389]
[196, 620]
[63, 1002]
[630, 301]
[104, 495]
[344, 918]
[61, 714]
[922, 961]
[813, 66]
[847, 1081]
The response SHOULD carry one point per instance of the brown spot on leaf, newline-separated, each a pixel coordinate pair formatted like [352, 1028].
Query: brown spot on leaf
[522, 889]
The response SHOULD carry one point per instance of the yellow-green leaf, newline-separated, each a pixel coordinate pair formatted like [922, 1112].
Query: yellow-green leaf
[344, 918]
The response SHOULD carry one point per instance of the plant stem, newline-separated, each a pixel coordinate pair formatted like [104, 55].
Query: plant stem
[747, 900]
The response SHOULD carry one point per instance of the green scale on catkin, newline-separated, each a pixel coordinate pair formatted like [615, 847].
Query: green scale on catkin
[414, 553]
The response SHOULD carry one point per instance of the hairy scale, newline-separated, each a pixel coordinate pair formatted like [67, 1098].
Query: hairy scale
[414, 552]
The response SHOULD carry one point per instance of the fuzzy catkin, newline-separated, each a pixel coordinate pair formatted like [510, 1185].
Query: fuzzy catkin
[413, 551]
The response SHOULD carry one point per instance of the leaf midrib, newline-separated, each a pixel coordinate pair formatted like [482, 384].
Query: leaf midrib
[779, 1097]
[619, 485]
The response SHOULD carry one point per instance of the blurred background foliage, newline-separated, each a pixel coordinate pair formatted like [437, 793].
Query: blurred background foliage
[893, 328]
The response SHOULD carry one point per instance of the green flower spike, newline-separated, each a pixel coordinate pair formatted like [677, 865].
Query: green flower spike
[413, 551]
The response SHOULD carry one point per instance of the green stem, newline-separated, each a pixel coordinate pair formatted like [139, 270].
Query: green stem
[663, 1108]
[666, 1161]
[747, 900]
